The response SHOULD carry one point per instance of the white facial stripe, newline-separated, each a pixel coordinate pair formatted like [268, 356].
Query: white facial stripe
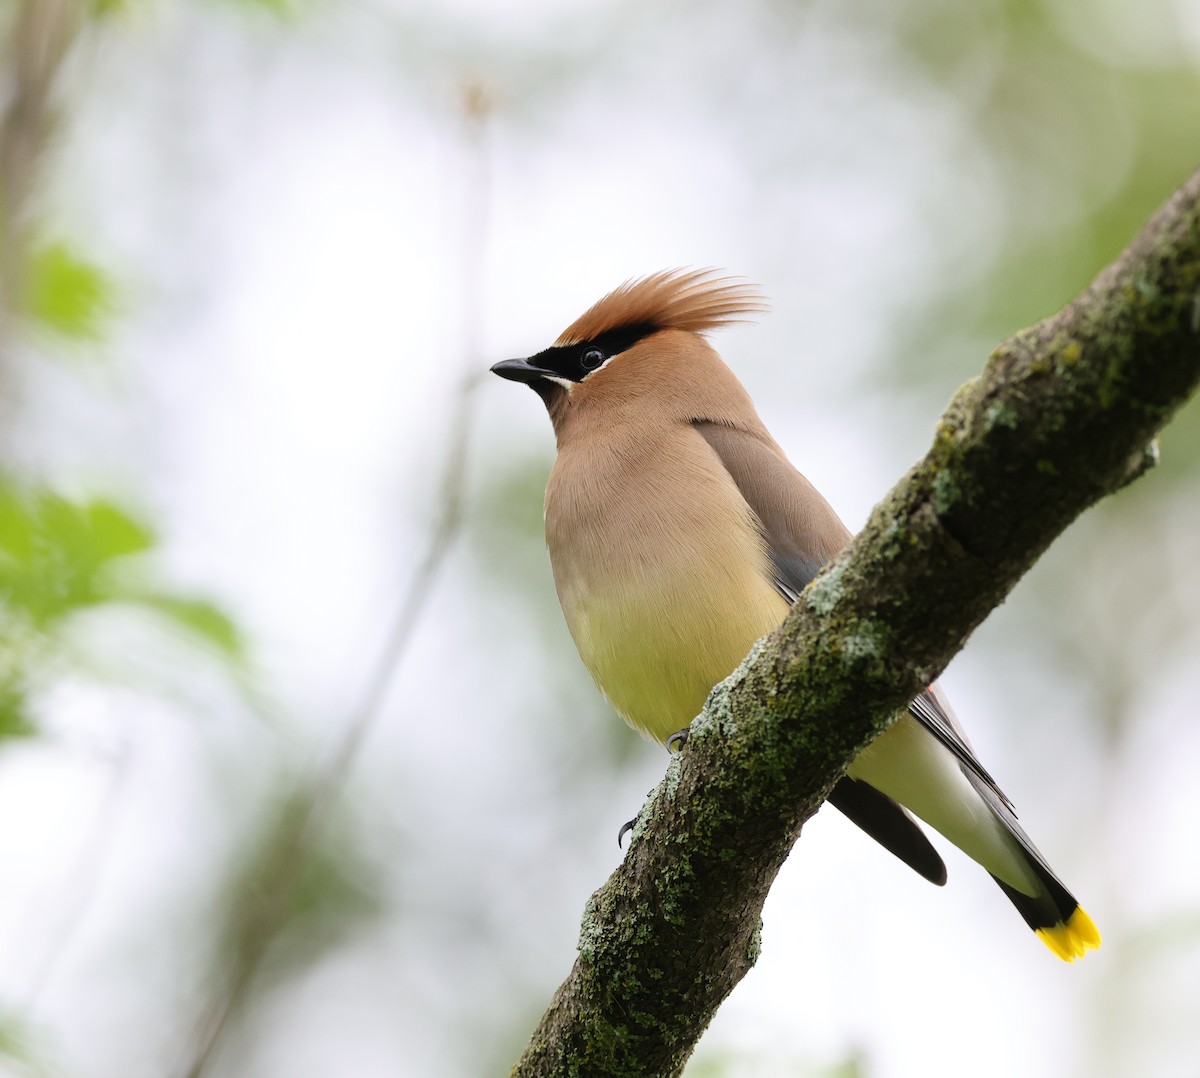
[566, 383]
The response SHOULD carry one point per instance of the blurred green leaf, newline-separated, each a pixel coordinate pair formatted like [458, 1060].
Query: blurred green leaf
[14, 722]
[202, 619]
[16, 524]
[60, 557]
[112, 532]
[67, 294]
[55, 553]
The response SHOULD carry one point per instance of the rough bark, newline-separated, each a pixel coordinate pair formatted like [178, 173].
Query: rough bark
[1063, 414]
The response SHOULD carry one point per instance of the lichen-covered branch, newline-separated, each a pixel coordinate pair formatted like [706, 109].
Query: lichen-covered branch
[1063, 414]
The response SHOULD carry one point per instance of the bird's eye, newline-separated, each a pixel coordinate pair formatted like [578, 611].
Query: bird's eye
[592, 358]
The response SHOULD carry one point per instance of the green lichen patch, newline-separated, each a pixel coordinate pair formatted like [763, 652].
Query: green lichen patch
[591, 931]
[946, 491]
[824, 593]
[754, 947]
[1000, 413]
[867, 640]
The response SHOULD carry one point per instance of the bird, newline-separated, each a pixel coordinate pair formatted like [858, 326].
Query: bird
[679, 534]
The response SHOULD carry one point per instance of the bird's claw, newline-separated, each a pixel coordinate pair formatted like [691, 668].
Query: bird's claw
[677, 740]
[675, 744]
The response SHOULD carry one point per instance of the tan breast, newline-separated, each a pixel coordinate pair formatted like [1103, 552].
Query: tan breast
[660, 569]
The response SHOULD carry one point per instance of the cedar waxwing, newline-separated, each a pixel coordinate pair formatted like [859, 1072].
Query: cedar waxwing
[679, 534]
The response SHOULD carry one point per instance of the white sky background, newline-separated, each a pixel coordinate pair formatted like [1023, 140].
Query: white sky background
[285, 208]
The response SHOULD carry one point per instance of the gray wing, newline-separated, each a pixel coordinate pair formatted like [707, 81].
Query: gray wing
[801, 529]
[802, 533]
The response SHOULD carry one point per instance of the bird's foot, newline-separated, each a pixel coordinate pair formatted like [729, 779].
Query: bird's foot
[675, 745]
[677, 740]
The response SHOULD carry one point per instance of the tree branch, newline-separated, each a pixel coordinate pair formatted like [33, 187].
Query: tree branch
[1064, 413]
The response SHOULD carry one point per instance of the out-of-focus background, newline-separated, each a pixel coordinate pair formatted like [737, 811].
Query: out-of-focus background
[271, 571]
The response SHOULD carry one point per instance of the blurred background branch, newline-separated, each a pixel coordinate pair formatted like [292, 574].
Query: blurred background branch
[40, 36]
[268, 902]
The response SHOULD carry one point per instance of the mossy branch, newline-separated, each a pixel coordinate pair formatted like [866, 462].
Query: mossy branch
[1064, 413]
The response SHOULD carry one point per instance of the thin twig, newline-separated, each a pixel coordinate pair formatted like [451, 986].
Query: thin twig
[300, 830]
[80, 885]
[43, 32]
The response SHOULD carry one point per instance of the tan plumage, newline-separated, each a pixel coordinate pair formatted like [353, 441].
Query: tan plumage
[679, 533]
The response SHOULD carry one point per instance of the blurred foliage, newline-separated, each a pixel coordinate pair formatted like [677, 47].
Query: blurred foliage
[63, 556]
[56, 554]
[17, 1054]
[298, 888]
[1084, 133]
[66, 294]
[335, 890]
[60, 557]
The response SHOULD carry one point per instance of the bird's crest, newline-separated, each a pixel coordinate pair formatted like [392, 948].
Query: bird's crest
[694, 300]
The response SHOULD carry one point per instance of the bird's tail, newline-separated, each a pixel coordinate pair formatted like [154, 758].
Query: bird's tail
[1060, 922]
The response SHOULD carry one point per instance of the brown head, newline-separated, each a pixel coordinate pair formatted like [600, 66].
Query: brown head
[639, 355]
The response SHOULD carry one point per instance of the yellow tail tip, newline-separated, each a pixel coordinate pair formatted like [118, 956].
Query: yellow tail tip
[1073, 939]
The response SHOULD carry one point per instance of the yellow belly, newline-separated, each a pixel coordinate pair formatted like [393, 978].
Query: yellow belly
[657, 671]
[656, 645]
